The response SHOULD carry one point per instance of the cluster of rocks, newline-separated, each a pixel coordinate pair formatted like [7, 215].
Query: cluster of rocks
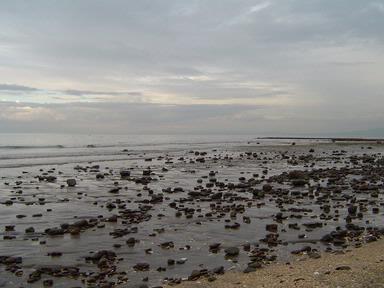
[304, 200]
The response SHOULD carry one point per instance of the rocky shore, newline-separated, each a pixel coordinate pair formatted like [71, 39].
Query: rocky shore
[169, 217]
[353, 268]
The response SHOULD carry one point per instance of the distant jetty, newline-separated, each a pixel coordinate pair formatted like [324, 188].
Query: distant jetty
[337, 139]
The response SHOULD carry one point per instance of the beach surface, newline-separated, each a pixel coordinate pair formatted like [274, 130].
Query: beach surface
[355, 268]
[112, 212]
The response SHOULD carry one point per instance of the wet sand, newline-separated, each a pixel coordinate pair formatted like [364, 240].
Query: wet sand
[355, 268]
[154, 218]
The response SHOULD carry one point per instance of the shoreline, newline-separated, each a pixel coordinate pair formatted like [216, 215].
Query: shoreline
[352, 268]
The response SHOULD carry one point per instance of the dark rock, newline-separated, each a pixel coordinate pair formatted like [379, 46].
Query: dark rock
[125, 173]
[109, 255]
[71, 182]
[141, 267]
[214, 246]
[232, 251]
[218, 270]
[271, 228]
[54, 231]
[343, 268]
[48, 283]
[267, 188]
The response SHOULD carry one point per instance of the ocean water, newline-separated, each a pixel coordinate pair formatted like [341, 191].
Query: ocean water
[26, 150]
[23, 150]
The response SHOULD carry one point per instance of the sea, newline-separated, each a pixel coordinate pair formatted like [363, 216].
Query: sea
[25, 150]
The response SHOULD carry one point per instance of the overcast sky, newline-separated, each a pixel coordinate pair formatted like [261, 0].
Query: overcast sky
[191, 66]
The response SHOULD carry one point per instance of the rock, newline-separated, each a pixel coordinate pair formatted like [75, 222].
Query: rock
[267, 188]
[370, 238]
[141, 267]
[146, 172]
[109, 255]
[114, 190]
[48, 283]
[247, 247]
[167, 245]
[271, 228]
[296, 174]
[100, 176]
[74, 230]
[125, 173]
[34, 277]
[249, 269]
[10, 260]
[82, 224]
[314, 255]
[305, 249]
[196, 274]
[352, 210]
[50, 178]
[232, 251]
[279, 216]
[252, 267]
[327, 238]
[55, 254]
[171, 262]
[54, 231]
[217, 196]
[256, 265]
[299, 182]
[181, 261]
[218, 270]
[110, 206]
[131, 242]
[313, 225]
[9, 228]
[71, 182]
[343, 268]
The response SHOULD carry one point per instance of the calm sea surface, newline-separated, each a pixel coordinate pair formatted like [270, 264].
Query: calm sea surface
[22, 150]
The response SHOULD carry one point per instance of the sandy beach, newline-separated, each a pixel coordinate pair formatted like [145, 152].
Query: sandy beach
[355, 268]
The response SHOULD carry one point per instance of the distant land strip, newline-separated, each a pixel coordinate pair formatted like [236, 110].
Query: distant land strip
[337, 139]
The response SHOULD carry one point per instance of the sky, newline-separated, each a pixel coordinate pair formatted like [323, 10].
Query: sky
[265, 67]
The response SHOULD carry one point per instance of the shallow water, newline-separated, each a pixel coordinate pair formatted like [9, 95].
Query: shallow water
[87, 200]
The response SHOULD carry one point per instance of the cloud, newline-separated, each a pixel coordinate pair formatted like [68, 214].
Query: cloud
[378, 6]
[22, 113]
[259, 7]
[16, 88]
[89, 92]
[248, 14]
[144, 118]
[16, 91]
[283, 56]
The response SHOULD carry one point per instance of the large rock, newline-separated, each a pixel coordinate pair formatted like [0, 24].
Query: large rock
[125, 173]
[141, 267]
[71, 182]
[232, 251]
